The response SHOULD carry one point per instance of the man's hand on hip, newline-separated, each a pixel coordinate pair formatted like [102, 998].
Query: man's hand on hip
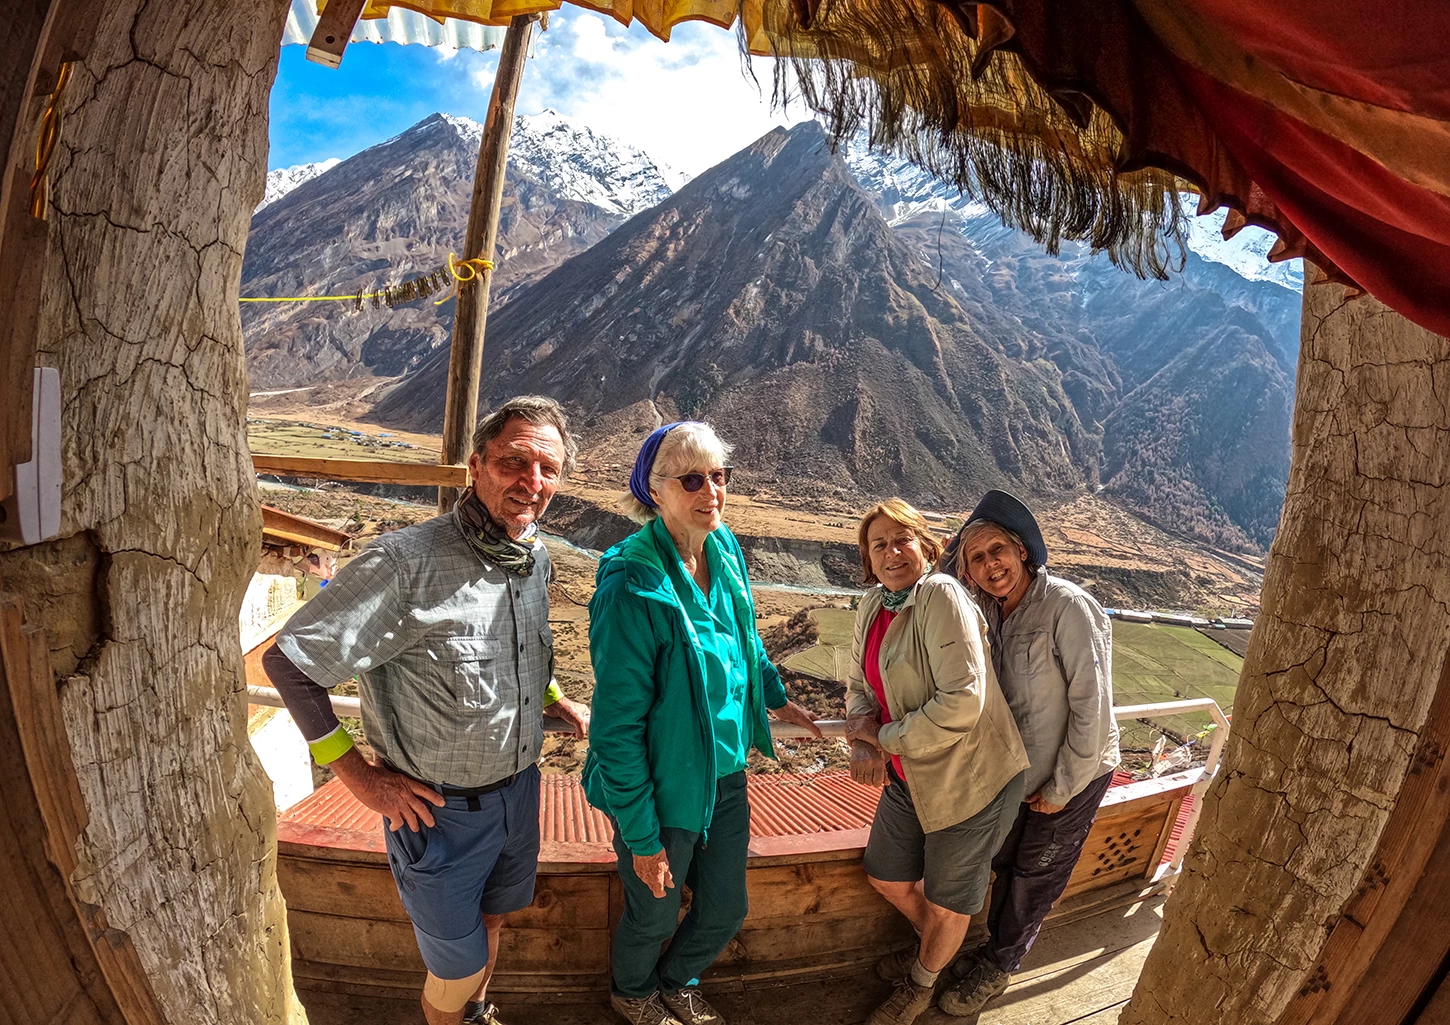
[571, 712]
[399, 799]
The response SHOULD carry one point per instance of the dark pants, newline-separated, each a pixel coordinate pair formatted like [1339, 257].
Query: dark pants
[1032, 867]
[715, 873]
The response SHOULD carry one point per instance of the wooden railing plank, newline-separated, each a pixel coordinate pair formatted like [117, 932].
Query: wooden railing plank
[373, 471]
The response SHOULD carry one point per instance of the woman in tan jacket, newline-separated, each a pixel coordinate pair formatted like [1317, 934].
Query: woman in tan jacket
[927, 720]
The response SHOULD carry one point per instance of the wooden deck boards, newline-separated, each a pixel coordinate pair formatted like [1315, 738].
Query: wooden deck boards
[1081, 972]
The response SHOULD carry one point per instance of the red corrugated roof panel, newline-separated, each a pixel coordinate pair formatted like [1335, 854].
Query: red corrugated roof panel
[782, 807]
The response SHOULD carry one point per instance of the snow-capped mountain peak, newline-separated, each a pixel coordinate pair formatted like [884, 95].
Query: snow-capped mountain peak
[284, 179]
[584, 165]
[1246, 254]
[466, 127]
[906, 190]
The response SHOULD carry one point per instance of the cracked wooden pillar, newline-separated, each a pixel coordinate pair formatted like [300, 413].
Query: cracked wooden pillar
[1316, 852]
[161, 159]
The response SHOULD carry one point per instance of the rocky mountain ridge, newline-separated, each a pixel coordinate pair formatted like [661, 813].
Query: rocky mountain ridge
[861, 329]
[770, 295]
[1189, 383]
[395, 211]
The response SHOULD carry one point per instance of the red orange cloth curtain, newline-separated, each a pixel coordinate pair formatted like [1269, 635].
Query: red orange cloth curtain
[1327, 122]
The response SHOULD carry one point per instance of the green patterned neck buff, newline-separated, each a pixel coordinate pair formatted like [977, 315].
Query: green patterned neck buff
[492, 541]
[892, 601]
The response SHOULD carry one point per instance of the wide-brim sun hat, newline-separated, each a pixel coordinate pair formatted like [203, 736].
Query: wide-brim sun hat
[1005, 510]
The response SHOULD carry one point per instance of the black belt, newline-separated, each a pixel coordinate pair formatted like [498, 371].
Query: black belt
[474, 793]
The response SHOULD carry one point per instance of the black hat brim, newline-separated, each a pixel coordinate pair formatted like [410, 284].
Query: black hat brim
[1008, 511]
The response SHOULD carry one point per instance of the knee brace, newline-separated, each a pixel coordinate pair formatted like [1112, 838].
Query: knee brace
[449, 995]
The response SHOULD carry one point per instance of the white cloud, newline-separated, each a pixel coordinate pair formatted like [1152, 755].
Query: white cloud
[688, 102]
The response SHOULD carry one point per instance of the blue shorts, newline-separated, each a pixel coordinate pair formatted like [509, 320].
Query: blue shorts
[467, 865]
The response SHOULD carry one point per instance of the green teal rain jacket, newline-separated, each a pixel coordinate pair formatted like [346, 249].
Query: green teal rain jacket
[651, 740]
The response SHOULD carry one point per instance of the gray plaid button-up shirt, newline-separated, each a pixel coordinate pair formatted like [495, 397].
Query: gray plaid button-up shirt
[452, 654]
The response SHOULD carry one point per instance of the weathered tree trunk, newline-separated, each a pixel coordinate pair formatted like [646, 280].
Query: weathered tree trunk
[1341, 670]
[161, 160]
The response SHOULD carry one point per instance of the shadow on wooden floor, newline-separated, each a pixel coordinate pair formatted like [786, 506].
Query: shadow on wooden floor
[1081, 971]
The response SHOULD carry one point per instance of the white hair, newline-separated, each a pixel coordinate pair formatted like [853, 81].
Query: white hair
[688, 447]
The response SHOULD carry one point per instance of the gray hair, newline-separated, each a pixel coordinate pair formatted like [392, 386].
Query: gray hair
[536, 409]
[687, 447]
[971, 530]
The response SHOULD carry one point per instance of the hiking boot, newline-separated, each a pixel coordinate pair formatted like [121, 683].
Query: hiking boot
[897, 966]
[964, 962]
[690, 1008]
[643, 1010]
[481, 1013]
[982, 984]
[904, 1005]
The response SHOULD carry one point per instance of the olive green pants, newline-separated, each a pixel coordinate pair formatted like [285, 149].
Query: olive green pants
[714, 870]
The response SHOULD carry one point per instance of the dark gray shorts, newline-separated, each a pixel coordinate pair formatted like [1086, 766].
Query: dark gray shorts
[955, 863]
[478, 858]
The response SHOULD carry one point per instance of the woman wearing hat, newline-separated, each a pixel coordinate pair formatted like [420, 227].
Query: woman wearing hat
[921, 689]
[681, 688]
[1052, 646]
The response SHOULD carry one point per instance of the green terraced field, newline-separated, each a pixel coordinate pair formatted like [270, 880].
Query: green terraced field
[1156, 662]
[290, 438]
[828, 659]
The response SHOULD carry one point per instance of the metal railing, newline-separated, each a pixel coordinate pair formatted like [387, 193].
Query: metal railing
[352, 707]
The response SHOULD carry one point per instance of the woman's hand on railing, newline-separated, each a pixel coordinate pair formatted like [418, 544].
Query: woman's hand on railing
[797, 716]
[868, 764]
[571, 712]
[654, 871]
[864, 728]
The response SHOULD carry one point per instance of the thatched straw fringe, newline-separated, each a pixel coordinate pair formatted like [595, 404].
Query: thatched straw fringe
[901, 71]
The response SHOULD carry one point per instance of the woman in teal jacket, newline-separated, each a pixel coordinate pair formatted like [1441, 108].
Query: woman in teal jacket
[681, 688]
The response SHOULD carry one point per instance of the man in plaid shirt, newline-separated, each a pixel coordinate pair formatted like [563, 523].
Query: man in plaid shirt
[445, 626]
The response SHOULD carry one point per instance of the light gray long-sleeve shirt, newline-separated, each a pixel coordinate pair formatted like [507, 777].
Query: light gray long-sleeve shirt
[1054, 660]
[453, 655]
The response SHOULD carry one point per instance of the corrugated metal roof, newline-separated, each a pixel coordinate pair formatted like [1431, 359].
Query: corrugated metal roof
[782, 807]
[566, 817]
[400, 26]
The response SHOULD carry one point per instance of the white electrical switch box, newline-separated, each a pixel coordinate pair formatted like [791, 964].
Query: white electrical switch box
[32, 513]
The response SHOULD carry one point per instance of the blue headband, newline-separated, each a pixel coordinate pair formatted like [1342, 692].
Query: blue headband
[644, 463]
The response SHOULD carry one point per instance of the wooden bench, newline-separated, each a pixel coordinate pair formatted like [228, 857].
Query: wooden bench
[812, 912]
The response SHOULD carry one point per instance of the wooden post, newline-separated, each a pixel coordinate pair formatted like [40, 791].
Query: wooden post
[470, 314]
[1320, 861]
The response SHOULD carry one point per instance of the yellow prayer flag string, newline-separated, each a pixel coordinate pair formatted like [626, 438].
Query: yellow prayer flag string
[463, 271]
[304, 298]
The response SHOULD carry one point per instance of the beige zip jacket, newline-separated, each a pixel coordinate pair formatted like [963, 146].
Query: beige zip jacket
[950, 724]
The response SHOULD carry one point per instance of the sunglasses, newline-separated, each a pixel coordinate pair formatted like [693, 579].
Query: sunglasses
[693, 482]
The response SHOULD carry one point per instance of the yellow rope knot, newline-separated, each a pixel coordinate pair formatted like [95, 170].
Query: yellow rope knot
[463, 271]
[45, 142]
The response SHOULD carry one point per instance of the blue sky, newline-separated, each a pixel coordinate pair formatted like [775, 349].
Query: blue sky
[687, 103]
